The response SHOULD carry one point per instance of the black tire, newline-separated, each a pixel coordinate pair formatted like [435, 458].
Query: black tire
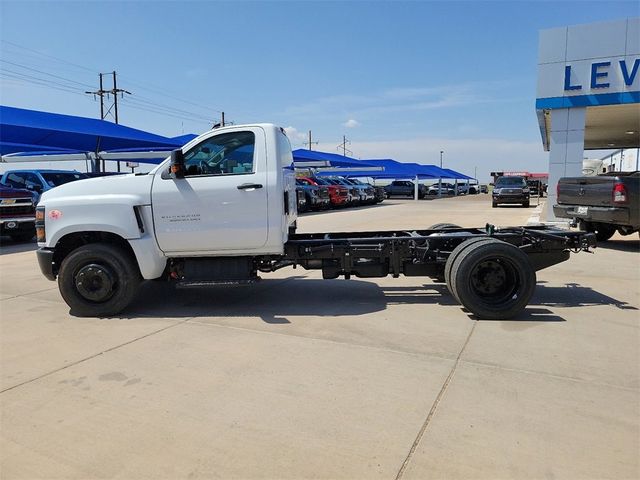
[22, 237]
[443, 226]
[494, 204]
[603, 232]
[526, 204]
[448, 266]
[98, 280]
[493, 280]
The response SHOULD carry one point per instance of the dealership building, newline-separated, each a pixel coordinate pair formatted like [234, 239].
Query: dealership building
[588, 94]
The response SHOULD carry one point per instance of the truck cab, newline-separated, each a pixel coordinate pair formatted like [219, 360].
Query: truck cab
[234, 196]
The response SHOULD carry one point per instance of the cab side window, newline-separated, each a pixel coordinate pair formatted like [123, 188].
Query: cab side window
[224, 154]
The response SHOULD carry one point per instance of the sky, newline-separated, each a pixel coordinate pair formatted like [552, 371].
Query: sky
[402, 80]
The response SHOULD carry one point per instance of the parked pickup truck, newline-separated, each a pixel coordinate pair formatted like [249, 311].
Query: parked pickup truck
[405, 188]
[17, 213]
[602, 204]
[223, 208]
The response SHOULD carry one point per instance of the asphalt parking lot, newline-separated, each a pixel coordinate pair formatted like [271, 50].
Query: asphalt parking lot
[298, 377]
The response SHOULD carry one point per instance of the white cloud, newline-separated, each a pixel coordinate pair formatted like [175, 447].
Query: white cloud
[351, 123]
[295, 137]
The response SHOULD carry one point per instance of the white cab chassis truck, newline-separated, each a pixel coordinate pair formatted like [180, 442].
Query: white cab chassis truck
[223, 208]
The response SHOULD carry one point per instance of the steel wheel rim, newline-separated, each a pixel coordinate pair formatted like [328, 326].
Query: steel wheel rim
[95, 283]
[495, 280]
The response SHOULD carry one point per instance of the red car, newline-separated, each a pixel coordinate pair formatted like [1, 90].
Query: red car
[339, 195]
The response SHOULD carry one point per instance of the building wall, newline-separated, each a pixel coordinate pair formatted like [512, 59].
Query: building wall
[578, 67]
[627, 160]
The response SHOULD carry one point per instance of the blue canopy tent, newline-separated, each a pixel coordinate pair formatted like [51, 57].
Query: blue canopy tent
[32, 130]
[456, 175]
[311, 158]
[44, 133]
[387, 168]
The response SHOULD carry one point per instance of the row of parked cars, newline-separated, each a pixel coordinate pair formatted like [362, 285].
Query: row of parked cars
[406, 188]
[315, 193]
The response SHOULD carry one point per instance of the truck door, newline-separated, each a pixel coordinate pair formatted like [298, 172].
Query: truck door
[222, 202]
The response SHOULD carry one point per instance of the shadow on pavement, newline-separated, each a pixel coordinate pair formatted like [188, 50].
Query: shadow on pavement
[574, 295]
[8, 246]
[621, 245]
[273, 300]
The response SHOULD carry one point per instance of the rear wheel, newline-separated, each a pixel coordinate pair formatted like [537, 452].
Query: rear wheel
[603, 231]
[98, 280]
[493, 280]
[454, 255]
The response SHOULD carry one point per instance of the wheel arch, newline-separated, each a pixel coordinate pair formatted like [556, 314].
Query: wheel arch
[72, 241]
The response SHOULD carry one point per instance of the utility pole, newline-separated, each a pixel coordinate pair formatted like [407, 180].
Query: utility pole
[222, 122]
[310, 142]
[343, 146]
[101, 92]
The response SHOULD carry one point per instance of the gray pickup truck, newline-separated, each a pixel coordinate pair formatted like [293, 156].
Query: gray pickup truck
[602, 204]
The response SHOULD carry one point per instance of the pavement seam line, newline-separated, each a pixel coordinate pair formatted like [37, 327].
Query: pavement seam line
[77, 362]
[434, 407]
[30, 293]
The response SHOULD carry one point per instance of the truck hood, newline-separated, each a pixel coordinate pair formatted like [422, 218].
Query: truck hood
[136, 187]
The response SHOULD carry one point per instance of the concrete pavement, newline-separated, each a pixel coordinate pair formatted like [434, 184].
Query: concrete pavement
[298, 377]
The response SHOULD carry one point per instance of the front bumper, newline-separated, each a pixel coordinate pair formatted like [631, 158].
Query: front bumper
[9, 225]
[511, 198]
[45, 262]
[611, 215]
[319, 202]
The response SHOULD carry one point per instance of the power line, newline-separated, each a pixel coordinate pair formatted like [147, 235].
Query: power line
[159, 108]
[45, 73]
[39, 81]
[158, 90]
[49, 56]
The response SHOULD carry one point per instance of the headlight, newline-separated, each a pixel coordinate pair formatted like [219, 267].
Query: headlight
[525, 190]
[40, 232]
[496, 190]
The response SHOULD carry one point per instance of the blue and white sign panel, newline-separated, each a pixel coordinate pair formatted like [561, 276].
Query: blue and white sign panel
[588, 65]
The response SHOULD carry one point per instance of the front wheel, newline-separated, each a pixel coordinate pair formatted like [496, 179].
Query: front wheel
[98, 280]
[494, 280]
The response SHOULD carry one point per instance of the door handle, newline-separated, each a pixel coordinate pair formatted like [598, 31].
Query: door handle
[246, 186]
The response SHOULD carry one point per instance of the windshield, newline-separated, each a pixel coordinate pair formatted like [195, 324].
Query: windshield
[55, 179]
[320, 181]
[503, 181]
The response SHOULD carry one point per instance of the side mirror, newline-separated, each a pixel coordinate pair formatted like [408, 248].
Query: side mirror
[177, 164]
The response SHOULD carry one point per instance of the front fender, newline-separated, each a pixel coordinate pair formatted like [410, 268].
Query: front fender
[112, 213]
